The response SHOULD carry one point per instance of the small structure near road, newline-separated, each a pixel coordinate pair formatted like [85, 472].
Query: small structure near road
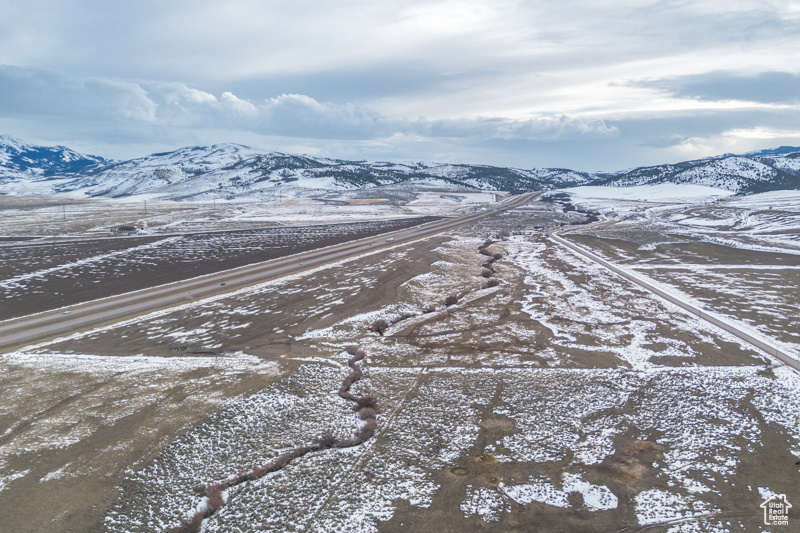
[126, 230]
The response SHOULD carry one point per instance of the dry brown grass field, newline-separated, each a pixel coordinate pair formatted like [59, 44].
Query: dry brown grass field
[551, 395]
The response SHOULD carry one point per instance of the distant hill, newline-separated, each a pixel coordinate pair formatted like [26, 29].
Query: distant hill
[781, 150]
[18, 158]
[235, 170]
[739, 174]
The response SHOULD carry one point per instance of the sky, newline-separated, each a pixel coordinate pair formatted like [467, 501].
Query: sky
[583, 84]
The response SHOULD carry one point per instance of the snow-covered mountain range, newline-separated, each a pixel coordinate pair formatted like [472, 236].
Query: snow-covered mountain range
[234, 170]
[21, 159]
[738, 174]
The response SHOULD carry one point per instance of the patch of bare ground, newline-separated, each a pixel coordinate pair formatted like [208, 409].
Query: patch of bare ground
[39, 277]
[266, 321]
[475, 468]
[366, 201]
[540, 397]
[75, 433]
[481, 473]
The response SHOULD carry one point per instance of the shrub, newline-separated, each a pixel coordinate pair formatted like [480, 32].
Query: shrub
[215, 501]
[379, 326]
[327, 440]
[365, 401]
[190, 525]
[367, 413]
[430, 308]
[404, 316]
[451, 300]
[492, 283]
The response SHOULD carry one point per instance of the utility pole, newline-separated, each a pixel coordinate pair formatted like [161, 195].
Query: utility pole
[145, 207]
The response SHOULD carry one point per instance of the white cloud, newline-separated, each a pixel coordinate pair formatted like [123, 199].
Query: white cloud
[737, 140]
[239, 106]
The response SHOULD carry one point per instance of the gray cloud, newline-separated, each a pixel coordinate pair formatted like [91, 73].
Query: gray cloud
[27, 93]
[393, 79]
[524, 83]
[765, 87]
[556, 128]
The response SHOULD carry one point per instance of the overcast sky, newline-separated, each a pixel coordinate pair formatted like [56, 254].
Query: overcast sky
[583, 84]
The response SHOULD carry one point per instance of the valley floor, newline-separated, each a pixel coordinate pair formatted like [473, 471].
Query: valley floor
[551, 395]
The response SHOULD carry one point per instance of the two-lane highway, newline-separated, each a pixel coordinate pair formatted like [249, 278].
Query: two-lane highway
[50, 324]
[784, 356]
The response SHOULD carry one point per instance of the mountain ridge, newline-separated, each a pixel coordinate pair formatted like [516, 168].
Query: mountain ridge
[230, 170]
[17, 156]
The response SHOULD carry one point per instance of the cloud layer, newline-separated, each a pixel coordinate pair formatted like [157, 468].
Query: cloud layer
[760, 87]
[583, 84]
[49, 97]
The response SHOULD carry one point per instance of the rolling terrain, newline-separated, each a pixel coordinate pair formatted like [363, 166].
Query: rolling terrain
[515, 385]
[573, 360]
[228, 171]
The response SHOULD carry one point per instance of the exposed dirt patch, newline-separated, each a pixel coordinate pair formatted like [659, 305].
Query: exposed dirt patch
[266, 323]
[39, 277]
[93, 465]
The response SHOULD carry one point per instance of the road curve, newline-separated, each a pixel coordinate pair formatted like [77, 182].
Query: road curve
[50, 324]
[788, 358]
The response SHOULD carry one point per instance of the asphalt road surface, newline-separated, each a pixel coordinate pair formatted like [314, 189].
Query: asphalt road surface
[782, 355]
[30, 329]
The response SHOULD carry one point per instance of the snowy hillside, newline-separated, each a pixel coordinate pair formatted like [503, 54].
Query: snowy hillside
[231, 170]
[235, 171]
[738, 174]
[20, 160]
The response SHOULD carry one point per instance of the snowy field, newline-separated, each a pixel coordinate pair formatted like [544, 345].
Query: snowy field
[550, 394]
[40, 276]
[668, 193]
[626, 413]
[62, 216]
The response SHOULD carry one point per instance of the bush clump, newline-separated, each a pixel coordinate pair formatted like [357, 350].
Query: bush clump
[379, 326]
